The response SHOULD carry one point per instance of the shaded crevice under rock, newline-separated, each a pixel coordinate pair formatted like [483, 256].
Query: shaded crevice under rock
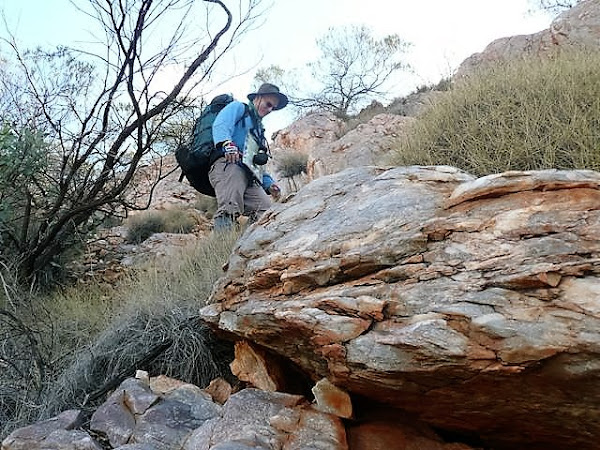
[439, 406]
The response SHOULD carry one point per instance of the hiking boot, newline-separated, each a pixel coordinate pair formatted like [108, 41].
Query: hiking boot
[223, 223]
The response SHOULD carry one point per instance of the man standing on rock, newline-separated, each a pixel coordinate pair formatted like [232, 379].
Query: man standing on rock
[241, 185]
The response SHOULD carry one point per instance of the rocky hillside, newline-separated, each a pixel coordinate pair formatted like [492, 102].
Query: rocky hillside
[471, 303]
[387, 308]
[575, 28]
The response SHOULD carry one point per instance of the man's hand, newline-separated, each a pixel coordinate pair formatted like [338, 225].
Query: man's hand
[231, 152]
[274, 191]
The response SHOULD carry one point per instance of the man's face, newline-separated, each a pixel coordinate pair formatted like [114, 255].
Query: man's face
[264, 104]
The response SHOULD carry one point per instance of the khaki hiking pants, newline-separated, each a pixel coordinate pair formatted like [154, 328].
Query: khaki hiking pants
[235, 195]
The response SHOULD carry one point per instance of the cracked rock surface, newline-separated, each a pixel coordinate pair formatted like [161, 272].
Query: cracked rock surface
[473, 303]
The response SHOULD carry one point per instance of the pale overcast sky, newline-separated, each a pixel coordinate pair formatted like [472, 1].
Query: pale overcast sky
[442, 32]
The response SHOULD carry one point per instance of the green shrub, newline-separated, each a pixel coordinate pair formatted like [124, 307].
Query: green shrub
[143, 225]
[444, 84]
[351, 122]
[178, 221]
[522, 115]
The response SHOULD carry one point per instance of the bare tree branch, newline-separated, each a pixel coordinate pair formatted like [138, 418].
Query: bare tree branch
[99, 128]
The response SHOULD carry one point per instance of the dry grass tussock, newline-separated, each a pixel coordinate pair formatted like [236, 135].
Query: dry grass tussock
[292, 163]
[524, 115]
[144, 224]
[68, 349]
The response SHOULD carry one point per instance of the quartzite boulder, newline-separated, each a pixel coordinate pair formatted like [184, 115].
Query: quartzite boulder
[576, 27]
[473, 303]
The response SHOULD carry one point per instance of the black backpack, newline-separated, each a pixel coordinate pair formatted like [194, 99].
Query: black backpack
[195, 156]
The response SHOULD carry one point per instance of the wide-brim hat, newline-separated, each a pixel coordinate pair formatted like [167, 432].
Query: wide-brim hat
[270, 89]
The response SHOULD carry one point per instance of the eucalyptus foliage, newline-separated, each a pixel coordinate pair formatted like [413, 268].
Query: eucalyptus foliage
[354, 65]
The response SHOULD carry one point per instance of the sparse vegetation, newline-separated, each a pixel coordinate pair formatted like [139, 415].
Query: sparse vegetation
[67, 347]
[291, 163]
[354, 67]
[554, 6]
[143, 225]
[96, 115]
[523, 115]
[38, 335]
[64, 350]
[206, 204]
[443, 85]
[365, 115]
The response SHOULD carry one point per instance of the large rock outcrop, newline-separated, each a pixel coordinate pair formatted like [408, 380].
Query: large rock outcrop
[330, 147]
[578, 26]
[472, 303]
[367, 144]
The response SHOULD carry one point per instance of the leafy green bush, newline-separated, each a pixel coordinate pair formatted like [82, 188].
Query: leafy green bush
[143, 225]
[521, 115]
[23, 156]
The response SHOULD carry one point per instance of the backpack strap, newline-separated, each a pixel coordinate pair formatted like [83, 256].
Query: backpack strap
[257, 131]
[246, 114]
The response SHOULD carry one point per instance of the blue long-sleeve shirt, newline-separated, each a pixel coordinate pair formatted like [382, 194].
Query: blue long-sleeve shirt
[228, 127]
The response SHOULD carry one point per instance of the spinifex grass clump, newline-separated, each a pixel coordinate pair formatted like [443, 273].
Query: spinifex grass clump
[155, 328]
[292, 163]
[68, 349]
[169, 341]
[143, 225]
[525, 114]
